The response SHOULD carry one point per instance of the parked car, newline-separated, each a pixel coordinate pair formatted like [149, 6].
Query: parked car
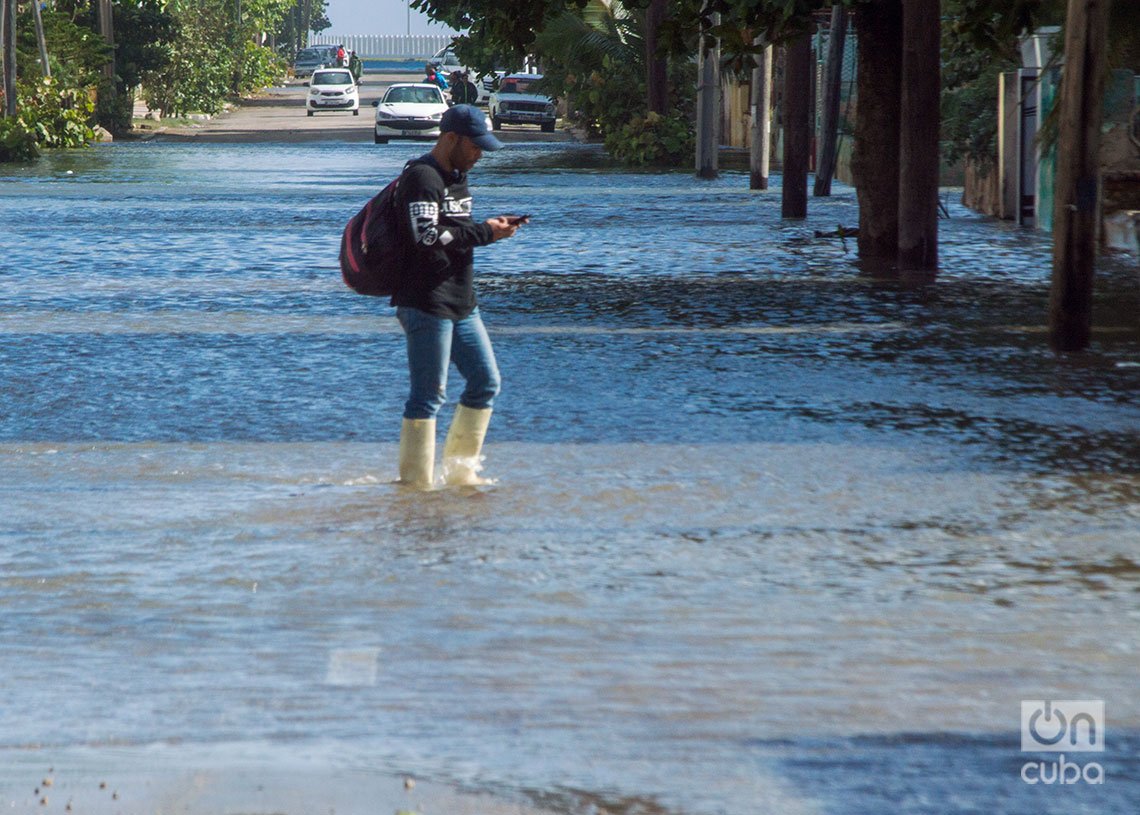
[409, 110]
[333, 89]
[314, 58]
[515, 103]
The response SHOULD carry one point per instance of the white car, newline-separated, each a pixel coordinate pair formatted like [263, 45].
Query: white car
[515, 103]
[409, 110]
[332, 89]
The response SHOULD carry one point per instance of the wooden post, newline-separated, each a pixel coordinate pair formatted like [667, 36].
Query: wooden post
[918, 136]
[875, 160]
[657, 84]
[708, 107]
[829, 136]
[760, 153]
[797, 126]
[41, 39]
[1077, 186]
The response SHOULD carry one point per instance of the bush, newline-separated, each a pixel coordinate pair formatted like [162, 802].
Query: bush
[653, 140]
[59, 117]
[47, 116]
[17, 140]
[260, 67]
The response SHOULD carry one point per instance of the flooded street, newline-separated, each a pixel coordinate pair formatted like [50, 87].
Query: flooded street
[771, 533]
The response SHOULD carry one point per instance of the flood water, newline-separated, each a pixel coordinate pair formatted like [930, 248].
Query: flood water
[771, 533]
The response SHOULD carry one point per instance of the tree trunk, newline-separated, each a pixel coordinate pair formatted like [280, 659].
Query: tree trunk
[760, 153]
[708, 107]
[1076, 190]
[829, 127]
[9, 24]
[657, 83]
[40, 39]
[797, 126]
[107, 29]
[875, 160]
[918, 137]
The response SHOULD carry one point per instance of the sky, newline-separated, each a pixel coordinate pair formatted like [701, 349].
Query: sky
[378, 17]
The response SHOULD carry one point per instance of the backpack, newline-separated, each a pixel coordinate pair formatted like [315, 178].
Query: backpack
[371, 248]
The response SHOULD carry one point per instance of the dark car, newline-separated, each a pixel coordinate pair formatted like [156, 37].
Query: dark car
[314, 58]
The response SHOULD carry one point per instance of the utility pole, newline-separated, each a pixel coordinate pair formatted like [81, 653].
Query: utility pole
[760, 154]
[918, 136]
[829, 136]
[1077, 188]
[9, 22]
[708, 105]
[797, 127]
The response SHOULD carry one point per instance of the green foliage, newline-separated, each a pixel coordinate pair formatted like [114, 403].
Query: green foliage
[76, 53]
[260, 67]
[979, 42]
[505, 29]
[198, 70]
[595, 59]
[47, 116]
[59, 117]
[663, 141]
[17, 140]
[213, 57]
[142, 32]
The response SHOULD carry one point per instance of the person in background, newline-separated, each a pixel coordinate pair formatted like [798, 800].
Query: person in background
[434, 76]
[355, 66]
[436, 305]
[463, 90]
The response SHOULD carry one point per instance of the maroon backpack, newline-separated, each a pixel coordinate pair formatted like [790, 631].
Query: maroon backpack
[371, 249]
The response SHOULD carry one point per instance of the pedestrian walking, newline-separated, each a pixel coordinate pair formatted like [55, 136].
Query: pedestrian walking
[436, 303]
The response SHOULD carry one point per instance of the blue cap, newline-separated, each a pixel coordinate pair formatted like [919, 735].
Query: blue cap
[469, 121]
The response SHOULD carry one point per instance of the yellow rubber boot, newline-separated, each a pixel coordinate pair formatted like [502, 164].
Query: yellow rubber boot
[417, 453]
[461, 459]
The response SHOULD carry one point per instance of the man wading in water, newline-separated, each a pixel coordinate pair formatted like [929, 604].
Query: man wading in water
[436, 304]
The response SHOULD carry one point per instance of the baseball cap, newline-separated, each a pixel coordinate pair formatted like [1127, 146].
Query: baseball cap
[469, 121]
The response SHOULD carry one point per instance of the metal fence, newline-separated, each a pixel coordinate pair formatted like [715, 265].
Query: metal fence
[386, 46]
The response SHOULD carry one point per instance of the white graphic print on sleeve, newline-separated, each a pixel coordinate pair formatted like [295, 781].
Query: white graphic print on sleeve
[425, 220]
[457, 207]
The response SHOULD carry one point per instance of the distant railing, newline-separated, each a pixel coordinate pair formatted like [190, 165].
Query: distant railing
[386, 46]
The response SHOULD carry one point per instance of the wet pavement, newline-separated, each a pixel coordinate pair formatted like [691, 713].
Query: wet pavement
[772, 532]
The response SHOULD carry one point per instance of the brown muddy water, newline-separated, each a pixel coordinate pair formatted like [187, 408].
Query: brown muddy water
[771, 533]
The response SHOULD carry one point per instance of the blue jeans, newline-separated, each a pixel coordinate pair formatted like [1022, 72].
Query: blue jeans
[434, 343]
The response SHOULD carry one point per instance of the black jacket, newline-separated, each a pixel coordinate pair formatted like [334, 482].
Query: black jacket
[441, 238]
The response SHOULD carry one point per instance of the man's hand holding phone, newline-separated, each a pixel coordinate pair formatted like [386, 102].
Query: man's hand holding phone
[505, 226]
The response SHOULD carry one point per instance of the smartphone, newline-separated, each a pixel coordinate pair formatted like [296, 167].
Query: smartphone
[515, 220]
